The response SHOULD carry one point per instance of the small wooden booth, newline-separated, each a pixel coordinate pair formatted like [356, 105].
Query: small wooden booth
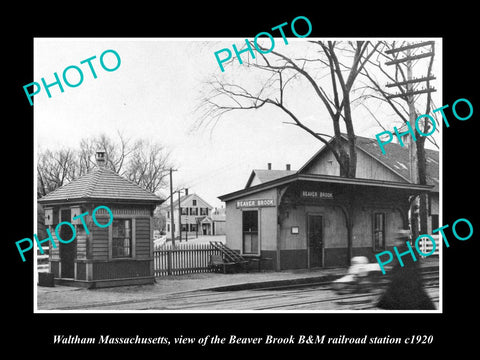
[120, 254]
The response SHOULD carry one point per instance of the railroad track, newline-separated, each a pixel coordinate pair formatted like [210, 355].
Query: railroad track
[288, 297]
[365, 301]
[317, 295]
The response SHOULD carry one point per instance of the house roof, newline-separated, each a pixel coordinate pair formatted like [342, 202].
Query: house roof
[188, 197]
[101, 184]
[267, 175]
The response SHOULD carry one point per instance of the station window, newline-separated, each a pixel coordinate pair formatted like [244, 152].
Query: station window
[121, 238]
[250, 232]
[378, 231]
[434, 222]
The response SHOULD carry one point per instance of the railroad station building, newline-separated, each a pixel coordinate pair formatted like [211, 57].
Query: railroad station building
[120, 254]
[315, 218]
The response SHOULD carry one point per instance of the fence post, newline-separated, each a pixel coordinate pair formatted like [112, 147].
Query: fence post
[169, 262]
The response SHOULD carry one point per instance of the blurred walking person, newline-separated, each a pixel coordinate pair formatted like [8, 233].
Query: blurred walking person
[405, 290]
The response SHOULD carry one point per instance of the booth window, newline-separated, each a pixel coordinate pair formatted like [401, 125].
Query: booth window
[121, 238]
[378, 231]
[250, 231]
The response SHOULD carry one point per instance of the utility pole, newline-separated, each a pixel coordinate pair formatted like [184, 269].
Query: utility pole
[407, 92]
[412, 116]
[172, 222]
[179, 218]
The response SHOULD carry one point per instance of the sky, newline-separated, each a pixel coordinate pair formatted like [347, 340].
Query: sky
[153, 95]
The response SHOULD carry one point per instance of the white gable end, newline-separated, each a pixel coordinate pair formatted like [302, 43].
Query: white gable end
[367, 167]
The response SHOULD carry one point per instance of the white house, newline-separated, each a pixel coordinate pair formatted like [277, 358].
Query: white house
[195, 217]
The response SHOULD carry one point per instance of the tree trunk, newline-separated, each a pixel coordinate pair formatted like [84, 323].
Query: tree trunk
[352, 150]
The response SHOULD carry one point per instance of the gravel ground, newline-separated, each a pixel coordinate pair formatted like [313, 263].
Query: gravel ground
[58, 297]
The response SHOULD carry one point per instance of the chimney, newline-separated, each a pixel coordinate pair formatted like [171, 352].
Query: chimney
[269, 166]
[186, 191]
[100, 158]
[288, 167]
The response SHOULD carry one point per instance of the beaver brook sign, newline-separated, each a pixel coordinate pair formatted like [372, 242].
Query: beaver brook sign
[255, 203]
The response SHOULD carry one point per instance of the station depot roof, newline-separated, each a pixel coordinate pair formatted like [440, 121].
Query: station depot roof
[414, 188]
[100, 184]
[397, 161]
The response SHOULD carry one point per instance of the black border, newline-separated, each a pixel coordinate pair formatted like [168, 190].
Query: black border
[455, 25]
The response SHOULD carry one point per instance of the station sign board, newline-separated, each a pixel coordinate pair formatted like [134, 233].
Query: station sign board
[255, 203]
[307, 194]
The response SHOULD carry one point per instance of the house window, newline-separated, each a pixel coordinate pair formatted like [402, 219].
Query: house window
[168, 227]
[250, 232]
[194, 202]
[193, 211]
[184, 211]
[168, 214]
[203, 211]
[378, 231]
[193, 227]
[121, 238]
[184, 227]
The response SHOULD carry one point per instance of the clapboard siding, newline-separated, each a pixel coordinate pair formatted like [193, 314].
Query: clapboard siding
[54, 253]
[367, 167]
[100, 243]
[81, 245]
[142, 237]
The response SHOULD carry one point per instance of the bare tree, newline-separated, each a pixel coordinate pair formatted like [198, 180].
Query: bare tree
[54, 169]
[144, 163]
[148, 166]
[278, 72]
[117, 152]
[329, 68]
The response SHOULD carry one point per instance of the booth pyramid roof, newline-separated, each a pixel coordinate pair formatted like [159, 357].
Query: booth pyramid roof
[100, 184]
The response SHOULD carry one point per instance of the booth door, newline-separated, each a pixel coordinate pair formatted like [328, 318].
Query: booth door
[315, 240]
[67, 251]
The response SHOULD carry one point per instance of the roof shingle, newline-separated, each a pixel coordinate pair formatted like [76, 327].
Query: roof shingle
[101, 183]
